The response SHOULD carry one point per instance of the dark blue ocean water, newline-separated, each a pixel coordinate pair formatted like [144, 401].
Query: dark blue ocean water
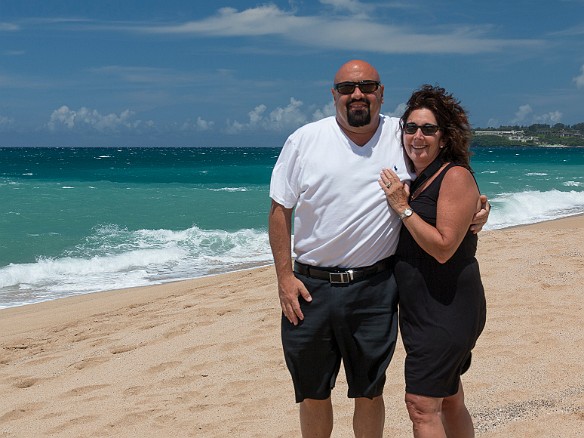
[77, 220]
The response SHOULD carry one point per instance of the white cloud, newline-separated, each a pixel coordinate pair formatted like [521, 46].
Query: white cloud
[341, 31]
[204, 125]
[580, 79]
[84, 118]
[281, 119]
[550, 118]
[256, 116]
[198, 125]
[522, 113]
[525, 116]
[262, 20]
[328, 110]
[235, 127]
[355, 7]
[288, 118]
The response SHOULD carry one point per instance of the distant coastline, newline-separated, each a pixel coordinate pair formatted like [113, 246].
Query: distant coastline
[481, 144]
[558, 135]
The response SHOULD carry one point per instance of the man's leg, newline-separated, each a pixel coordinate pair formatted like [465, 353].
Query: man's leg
[368, 341]
[369, 417]
[316, 418]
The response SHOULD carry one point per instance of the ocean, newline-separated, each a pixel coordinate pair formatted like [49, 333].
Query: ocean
[80, 220]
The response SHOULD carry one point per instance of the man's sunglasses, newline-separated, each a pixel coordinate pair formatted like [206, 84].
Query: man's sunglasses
[366, 87]
[427, 129]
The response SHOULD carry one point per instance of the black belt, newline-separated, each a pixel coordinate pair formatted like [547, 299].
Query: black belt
[342, 275]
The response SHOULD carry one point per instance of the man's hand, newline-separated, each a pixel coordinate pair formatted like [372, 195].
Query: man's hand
[289, 287]
[289, 290]
[480, 218]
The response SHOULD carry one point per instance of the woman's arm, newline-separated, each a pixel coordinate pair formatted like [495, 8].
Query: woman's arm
[457, 203]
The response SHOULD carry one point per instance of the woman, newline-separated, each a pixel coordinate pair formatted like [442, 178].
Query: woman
[442, 301]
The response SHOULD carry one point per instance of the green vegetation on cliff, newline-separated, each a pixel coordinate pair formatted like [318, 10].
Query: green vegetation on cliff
[537, 135]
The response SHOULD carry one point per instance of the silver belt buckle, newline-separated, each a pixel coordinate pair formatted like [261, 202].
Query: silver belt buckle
[341, 277]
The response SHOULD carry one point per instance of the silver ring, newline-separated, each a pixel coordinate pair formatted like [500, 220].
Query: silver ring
[388, 184]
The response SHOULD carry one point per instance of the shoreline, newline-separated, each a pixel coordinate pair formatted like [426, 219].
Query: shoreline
[162, 283]
[251, 268]
[202, 357]
[569, 220]
[121, 296]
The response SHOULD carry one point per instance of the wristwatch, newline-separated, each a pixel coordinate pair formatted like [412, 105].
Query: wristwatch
[406, 213]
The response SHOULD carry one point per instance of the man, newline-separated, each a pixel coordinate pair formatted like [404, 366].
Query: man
[340, 302]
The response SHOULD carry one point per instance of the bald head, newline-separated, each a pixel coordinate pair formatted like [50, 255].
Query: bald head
[356, 70]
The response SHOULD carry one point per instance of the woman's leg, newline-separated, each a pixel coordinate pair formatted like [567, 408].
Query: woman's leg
[426, 416]
[455, 417]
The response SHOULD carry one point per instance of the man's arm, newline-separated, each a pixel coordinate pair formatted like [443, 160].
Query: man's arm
[289, 287]
[480, 218]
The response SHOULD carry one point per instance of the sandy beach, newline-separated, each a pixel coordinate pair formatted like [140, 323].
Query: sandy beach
[202, 358]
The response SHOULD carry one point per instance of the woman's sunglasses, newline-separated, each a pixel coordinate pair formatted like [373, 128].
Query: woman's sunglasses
[427, 129]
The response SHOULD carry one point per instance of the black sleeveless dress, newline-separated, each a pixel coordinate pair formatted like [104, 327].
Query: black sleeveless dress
[442, 309]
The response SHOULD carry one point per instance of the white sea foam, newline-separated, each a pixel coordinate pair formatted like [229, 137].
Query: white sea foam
[114, 258]
[230, 189]
[527, 207]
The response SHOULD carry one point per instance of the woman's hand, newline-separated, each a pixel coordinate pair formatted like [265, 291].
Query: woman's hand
[396, 192]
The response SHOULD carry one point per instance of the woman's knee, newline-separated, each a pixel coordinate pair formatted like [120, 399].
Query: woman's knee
[423, 409]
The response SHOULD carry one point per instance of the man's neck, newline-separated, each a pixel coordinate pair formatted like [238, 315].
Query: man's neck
[362, 134]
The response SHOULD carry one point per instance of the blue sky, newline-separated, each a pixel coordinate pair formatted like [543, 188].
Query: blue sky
[247, 73]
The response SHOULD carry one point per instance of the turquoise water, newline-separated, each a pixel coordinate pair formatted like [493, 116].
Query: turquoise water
[77, 220]
[530, 184]
[51, 199]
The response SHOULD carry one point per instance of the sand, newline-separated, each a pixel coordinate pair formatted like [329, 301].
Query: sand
[202, 358]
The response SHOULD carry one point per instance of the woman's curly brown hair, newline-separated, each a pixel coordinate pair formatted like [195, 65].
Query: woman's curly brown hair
[450, 117]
